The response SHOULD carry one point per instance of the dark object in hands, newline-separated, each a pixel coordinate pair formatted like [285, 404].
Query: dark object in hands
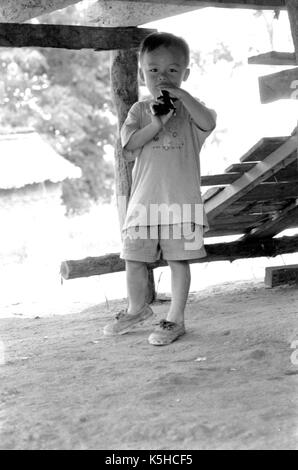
[166, 105]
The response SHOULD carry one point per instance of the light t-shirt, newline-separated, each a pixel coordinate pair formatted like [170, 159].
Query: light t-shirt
[166, 173]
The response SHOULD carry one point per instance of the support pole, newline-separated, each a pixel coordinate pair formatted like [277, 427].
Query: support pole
[124, 81]
[292, 6]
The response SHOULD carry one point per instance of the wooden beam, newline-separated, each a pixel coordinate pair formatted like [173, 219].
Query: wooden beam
[224, 179]
[122, 13]
[280, 275]
[279, 221]
[241, 167]
[255, 208]
[225, 219]
[70, 37]
[273, 58]
[227, 230]
[22, 10]
[263, 148]
[211, 192]
[247, 4]
[292, 7]
[253, 4]
[280, 85]
[284, 155]
[287, 174]
[272, 192]
[111, 263]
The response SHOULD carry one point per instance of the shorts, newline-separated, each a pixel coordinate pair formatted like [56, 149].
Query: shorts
[169, 242]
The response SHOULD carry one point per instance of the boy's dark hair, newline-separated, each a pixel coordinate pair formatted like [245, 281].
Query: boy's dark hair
[156, 40]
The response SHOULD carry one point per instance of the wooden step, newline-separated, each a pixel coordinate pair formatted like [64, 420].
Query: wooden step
[279, 275]
[263, 148]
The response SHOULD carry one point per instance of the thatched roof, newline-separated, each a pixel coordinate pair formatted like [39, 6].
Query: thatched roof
[25, 158]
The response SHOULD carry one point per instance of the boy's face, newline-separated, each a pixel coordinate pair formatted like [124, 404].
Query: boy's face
[165, 65]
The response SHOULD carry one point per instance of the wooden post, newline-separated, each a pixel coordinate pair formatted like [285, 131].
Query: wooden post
[124, 81]
[292, 7]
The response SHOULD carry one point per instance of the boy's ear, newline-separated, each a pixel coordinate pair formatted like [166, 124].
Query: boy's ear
[186, 74]
[141, 75]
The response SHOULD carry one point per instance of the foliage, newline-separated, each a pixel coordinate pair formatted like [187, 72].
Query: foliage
[65, 96]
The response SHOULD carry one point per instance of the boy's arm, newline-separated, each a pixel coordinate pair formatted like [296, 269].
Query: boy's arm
[140, 137]
[201, 115]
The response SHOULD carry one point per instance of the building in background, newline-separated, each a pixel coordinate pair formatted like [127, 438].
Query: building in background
[31, 209]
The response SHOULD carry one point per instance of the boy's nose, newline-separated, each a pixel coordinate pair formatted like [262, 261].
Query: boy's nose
[162, 77]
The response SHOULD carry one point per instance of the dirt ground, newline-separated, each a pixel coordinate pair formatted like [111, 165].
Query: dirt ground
[229, 383]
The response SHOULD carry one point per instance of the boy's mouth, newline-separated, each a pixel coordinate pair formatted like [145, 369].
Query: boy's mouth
[161, 84]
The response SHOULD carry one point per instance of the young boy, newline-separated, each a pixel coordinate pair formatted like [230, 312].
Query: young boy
[165, 216]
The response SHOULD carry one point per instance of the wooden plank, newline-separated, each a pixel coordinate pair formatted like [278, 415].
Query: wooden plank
[280, 275]
[70, 37]
[234, 171]
[263, 148]
[23, 10]
[292, 7]
[284, 155]
[253, 4]
[218, 229]
[279, 221]
[211, 192]
[290, 173]
[221, 179]
[121, 13]
[236, 229]
[273, 58]
[280, 85]
[255, 208]
[94, 266]
[240, 167]
[236, 209]
[249, 219]
[272, 192]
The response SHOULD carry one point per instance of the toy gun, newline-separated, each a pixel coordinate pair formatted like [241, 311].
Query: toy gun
[165, 106]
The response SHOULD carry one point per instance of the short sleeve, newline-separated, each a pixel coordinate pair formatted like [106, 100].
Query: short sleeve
[131, 124]
[201, 133]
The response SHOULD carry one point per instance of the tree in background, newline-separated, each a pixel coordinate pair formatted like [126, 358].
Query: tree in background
[65, 95]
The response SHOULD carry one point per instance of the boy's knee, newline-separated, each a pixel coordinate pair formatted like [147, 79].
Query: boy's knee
[135, 266]
[178, 264]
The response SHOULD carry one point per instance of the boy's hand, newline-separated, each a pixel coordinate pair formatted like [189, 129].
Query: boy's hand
[174, 91]
[201, 115]
[160, 120]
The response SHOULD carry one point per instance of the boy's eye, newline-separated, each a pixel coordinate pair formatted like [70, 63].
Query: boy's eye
[173, 70]
[153, 70]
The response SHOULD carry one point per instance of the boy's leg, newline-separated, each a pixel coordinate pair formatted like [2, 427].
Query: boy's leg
[136, 281]
[138, 311]
[173, 327]
[180, 283]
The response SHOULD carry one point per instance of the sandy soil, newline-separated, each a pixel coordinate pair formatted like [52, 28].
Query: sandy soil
[228, 384]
